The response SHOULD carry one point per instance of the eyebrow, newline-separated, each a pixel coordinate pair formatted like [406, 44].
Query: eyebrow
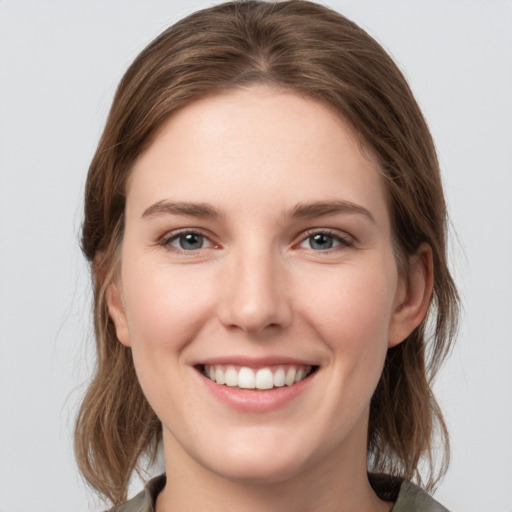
[200, 210]
[299, 211]
[324, 208]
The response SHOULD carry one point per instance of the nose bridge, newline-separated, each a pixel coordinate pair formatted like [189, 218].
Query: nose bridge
[255, 295]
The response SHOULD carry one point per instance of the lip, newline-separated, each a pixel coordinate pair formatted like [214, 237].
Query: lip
[252, 400]
[255, 362]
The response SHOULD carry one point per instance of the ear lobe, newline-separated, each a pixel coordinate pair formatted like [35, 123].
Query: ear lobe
[413, 297]
[117, 312]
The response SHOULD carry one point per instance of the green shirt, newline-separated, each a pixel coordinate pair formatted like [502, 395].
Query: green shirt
[407, 497]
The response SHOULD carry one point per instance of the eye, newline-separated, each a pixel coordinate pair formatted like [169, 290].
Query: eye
[187, 241]
[324, 241]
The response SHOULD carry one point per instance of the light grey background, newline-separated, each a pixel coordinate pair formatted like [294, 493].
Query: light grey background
[59, 64]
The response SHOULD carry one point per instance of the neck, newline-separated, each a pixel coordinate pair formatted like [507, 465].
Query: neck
[328, 486]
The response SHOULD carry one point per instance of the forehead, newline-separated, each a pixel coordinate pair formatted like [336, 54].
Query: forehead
[254, 144]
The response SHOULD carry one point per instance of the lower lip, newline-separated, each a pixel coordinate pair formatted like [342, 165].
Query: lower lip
[254, 400]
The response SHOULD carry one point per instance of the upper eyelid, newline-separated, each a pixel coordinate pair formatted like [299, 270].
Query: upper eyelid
[170, 236]
[344, 241]
[174, 233]
[335, 233]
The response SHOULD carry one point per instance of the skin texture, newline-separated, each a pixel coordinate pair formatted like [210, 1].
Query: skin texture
[260, 288]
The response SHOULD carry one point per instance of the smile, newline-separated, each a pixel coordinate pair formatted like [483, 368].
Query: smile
[264, 378]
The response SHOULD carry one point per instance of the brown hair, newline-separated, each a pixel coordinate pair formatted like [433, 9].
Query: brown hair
[307, 48]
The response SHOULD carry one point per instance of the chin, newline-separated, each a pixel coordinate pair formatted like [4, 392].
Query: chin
[258, 472]
[258, 462]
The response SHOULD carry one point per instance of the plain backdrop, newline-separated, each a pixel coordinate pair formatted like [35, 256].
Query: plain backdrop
[60, 62]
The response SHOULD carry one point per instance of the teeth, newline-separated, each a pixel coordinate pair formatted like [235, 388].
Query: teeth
[279, 378]
[246, 378]
[231, 377]
[290, 376]
[263, 378]
[299, 375]
[219, 376]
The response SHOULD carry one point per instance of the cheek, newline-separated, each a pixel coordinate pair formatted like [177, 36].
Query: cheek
[358, 299]
[164, 309]
[165, 312]
[351, 311]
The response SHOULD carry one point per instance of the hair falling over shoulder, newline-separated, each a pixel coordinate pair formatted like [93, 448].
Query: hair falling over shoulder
[307, 48]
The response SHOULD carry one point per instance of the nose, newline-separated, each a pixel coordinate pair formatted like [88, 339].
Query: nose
[255, 295]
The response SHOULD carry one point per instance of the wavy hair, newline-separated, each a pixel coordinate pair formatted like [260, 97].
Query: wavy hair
[310, 49]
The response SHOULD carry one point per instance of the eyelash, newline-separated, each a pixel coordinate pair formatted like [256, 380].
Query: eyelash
[167, 240]
[343, 241]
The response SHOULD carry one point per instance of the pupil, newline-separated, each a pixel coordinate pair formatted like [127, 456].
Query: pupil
[191, 241]
[321, 242]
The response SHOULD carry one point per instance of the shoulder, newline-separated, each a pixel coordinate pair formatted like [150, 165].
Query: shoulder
[407, 497]
[144, 501]
[412, 498]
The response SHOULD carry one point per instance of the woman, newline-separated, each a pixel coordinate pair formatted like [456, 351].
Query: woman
[265, 223]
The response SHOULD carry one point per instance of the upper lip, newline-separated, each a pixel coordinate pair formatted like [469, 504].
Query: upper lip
[255, 362]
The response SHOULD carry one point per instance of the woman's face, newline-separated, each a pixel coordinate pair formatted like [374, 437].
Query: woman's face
[258, 287]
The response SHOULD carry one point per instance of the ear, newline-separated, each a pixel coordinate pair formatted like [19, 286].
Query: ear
[413, 295]
[117, 312]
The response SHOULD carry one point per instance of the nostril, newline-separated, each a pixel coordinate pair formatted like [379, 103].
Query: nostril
[253, 297]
